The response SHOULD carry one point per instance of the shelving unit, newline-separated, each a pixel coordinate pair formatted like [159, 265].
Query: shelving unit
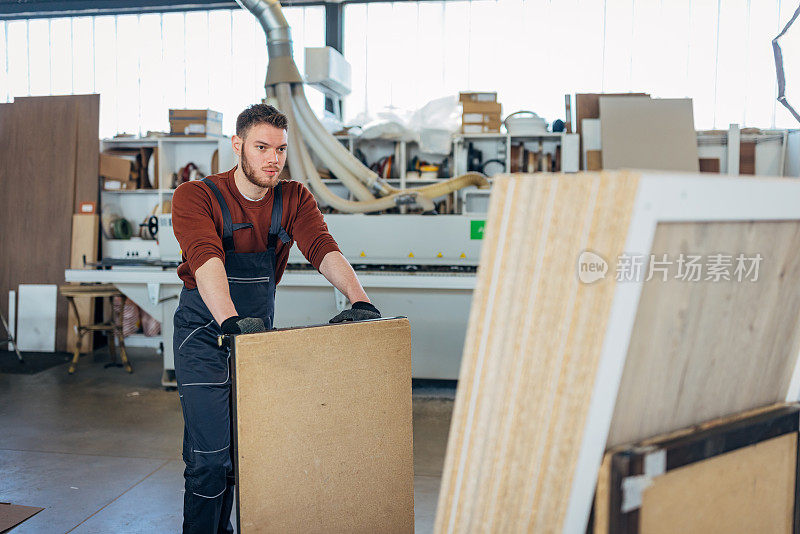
[136, 205]
[548, 141]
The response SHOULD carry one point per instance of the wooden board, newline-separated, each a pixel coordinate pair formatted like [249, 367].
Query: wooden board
[12, 515]
[38, 195]
[747, 157]
[323, 429]
[735, 474]
[748, 490]
[533, 342]
[85, 245]
[709, 165]
[546, 349]
[87, 144]
[673, 374]
[643, 133]
[587, 106]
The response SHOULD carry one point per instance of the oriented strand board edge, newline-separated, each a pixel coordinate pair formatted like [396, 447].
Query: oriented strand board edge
[494, 242]
[642, 225]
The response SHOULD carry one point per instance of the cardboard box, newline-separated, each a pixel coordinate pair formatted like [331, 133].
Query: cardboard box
[482, 107]
[116, 168]
[480, 118]
[477, 97]
[195, 122]
[479, 128]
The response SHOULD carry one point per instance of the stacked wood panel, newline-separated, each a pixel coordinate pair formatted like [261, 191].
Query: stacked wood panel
[48, 165]
[557, 369]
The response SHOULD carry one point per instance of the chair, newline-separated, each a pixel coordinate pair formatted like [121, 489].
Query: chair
[113, 329]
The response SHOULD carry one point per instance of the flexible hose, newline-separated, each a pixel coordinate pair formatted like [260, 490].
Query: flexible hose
[352, 183]
[334, 147]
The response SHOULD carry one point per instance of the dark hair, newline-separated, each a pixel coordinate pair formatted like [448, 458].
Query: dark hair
[260, 114]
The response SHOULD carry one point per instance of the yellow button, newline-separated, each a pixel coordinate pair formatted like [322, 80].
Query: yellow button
[439, 255]
[463, 256]
[410, 254]
[363, 254]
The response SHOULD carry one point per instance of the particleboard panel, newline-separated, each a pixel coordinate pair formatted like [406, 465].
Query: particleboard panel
[37, 195]
[533, 344]
[747, 490]
[545, 354]
[692, 340]
[643, 133]
[725, 467]
[587, 106]
[323, 429]
[85, 240]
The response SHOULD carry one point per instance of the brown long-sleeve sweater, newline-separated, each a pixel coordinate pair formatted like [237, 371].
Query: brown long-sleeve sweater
[197, 222]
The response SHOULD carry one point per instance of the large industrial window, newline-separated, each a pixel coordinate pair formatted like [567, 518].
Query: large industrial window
[533, 52]
[142, 65]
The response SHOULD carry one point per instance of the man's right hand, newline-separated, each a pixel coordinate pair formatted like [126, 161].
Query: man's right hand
[242, 325]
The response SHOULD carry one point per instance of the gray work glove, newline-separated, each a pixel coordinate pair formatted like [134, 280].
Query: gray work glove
[360, 311]
[242, 325]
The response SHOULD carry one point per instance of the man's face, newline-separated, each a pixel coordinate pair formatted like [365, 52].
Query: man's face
[262, 154]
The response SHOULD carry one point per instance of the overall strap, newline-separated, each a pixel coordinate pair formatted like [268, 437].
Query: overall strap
[275, 229]
[227, 222]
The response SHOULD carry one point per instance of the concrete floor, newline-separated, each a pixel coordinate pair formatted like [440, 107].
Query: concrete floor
[100, 450]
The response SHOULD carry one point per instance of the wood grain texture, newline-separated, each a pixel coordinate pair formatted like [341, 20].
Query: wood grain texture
[747, 157]
[323, 429]
[743, 491]
[531, 353]
[38, 158]
[85, 243]
[692, 340]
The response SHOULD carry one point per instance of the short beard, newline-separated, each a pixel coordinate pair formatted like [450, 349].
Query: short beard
[250, 174]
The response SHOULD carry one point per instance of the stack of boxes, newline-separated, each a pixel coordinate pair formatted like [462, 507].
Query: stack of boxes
[481, 113]
[195, 122]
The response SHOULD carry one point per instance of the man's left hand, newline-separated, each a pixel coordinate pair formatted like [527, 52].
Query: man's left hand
[360, 311]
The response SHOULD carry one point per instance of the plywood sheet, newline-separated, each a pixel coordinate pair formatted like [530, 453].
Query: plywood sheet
[323, 429]
[748, 490]
[709, 165]
[677, 373]
[38, 195]
[747, 157]
[550, 347]
[643, 133]
[532, 349]
[12, 515]
[85, 244]
[87, 142]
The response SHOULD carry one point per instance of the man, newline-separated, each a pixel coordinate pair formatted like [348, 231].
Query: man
[235, 230]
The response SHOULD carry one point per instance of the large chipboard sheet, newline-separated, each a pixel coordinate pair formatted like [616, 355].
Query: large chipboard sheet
[323, 429]
[36, 322]
[644, 133]
[570, 348]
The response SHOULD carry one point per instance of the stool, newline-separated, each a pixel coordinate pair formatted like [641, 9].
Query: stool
[113, 329]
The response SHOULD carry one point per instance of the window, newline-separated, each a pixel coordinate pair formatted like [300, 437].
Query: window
[533, 52]
[142, 65]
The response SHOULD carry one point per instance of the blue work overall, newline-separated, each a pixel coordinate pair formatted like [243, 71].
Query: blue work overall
[202, 370]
